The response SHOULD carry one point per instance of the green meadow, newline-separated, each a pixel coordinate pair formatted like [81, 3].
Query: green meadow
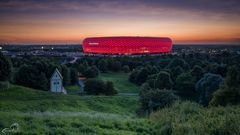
[120, 81]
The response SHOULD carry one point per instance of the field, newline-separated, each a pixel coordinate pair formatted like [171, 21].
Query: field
[120, 81]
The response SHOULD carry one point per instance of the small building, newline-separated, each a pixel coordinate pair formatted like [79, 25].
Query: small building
[56, 82]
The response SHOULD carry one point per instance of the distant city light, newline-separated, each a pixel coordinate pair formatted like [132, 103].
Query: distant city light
[42, 47]
[52, 48]
[0, 48]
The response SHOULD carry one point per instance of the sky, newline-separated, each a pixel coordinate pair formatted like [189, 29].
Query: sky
[70, 21]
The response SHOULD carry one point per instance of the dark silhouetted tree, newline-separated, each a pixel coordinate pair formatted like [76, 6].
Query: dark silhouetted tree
[230, 92]
[5, 68]
[103, 65]
[141, 76]
[185, 84]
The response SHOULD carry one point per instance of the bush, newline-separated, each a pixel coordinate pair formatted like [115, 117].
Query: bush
[94, 86]
[97, 87]
[109, 89]
[153, 99]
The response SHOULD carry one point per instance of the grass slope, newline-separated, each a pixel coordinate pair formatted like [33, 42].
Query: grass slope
[39, 112]
[189, 118]
[120, 81]
[23, 99]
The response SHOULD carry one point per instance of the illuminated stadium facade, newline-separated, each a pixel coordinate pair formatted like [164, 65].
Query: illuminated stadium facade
[127, 45]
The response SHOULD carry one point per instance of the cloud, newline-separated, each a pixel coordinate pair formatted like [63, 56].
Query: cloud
[230, 7]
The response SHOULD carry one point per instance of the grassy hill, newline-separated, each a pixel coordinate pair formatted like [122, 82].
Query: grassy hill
[24, 99]
[39, 112]
[120, 81]
[50, 113]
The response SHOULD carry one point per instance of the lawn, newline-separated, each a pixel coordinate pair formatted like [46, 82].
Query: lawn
[120, 81]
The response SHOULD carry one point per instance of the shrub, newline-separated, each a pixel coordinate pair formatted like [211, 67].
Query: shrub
[153, 99]
[109, 89]
[96, 87]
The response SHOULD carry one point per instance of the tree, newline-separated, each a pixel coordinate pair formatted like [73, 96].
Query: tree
[206, 86]
[103, 65]
[178, 62]
[73, 76]
[162, 80]
[31, 77]
[125, 69]
[176, 71]
[133, 75]
[66, 75]
[185, 84]
[154, 70]
[230, 92]
[91, 72]
[197, 72]
[141, 76]
[5, 68]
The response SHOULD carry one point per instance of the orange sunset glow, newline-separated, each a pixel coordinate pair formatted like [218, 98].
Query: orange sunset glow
[71, 21]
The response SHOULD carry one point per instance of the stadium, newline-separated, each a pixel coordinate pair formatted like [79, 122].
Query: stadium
[127, 45]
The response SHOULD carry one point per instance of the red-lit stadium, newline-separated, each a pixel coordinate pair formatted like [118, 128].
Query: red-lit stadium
[127, 45]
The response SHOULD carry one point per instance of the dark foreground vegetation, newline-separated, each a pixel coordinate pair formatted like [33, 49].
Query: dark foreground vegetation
[195, 94]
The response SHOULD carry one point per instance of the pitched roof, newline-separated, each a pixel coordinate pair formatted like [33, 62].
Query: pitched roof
[57, 71]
